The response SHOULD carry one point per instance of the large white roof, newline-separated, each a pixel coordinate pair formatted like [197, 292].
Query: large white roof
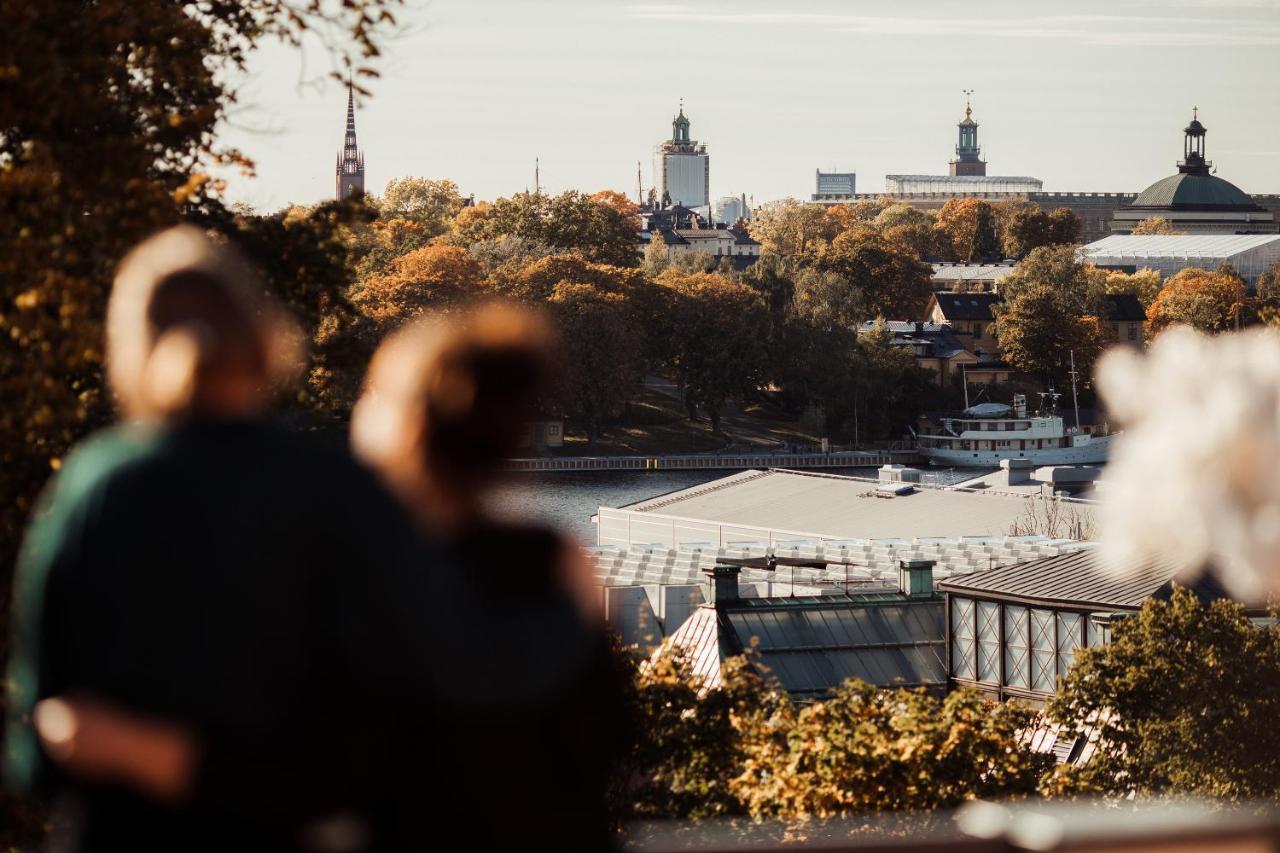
[1176, 245]
[838, 507]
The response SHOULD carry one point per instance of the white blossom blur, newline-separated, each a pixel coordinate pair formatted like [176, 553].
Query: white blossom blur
[1195, 477]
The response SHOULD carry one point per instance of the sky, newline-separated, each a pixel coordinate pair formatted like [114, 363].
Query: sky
[1085, 95]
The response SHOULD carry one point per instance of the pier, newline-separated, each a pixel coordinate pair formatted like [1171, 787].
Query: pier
[711, 461]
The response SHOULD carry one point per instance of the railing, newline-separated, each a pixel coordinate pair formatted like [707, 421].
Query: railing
[811, 459]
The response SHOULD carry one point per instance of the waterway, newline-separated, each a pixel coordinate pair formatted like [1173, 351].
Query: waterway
[567, 500]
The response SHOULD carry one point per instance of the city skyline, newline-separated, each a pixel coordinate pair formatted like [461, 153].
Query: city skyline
[474, 95]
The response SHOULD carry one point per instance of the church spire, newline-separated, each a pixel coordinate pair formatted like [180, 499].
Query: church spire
[350, 168]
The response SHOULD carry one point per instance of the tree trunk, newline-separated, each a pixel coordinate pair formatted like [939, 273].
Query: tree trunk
[714, 414]
[693, 411]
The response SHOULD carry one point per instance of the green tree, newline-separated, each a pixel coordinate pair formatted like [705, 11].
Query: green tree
[1081, 286]
[1040, 329]
[601, 350]
[1209, 301]
[893, 283]
[1064, 226]
[1183, 700]
[570, 221]
[716, 329]
[430, 204]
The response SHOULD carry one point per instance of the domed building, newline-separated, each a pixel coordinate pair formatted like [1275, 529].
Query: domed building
[1195, 200]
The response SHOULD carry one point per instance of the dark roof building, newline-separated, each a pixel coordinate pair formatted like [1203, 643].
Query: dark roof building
[811, 644]
[1195, 200]
[966, 306]
[1013, 631]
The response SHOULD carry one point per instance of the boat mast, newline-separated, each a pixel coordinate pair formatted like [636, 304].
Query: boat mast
[1075, 400]
[964, 380]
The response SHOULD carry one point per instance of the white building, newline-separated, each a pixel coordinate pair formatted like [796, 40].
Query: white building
[682, 167]
[960, 185]
[1249, 254]
[730, 208]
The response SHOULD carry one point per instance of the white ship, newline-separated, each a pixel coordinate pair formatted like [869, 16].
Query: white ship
[985, 434]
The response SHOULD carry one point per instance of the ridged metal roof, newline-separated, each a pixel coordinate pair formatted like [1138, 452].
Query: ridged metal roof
[1181, 246]
[1194, 191]
[812, 644]
[1079, 579]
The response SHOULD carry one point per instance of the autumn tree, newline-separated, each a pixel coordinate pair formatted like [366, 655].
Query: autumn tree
[1268, 284]
[432, 205]
[743, 748]
[308, 257]
[1024, 226]
[894, 283]
[433, 278]
[715, 332]
[865, 750]
[790, 228]
[909, 229]
[1040, 330]
[1144, 284]
[535, 281]
[967, 227]
[570, 221]
[1183, 701]
[1154, 225]
[1209, 301]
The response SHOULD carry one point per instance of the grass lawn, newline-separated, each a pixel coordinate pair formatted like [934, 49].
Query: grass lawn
[659, 424]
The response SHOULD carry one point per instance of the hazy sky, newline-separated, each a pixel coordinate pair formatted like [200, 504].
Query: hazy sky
[1085, 95]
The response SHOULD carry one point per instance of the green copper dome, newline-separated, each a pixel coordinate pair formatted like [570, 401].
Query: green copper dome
[1194, 191]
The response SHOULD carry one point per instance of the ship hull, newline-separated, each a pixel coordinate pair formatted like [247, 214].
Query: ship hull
[1091, 452]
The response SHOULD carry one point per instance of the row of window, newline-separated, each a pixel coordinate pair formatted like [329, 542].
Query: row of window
[1010, 645]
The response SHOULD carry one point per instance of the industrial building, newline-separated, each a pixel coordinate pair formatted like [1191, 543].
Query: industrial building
[1249, 254]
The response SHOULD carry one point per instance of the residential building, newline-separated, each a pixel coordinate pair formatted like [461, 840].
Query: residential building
[939, 350]
[349, 172]
[834, 187]
[970, 317]
[543, 433]
[732, 242]
[969, 277]
[682, 167]
[972, 320]
[1195, 200]
[1249, 254]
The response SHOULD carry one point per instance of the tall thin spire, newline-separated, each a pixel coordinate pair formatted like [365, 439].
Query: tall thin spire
[537, 177]
[350, 168]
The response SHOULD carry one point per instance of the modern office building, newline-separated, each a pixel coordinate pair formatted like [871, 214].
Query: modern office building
[1195, 200]
[349, 173]
[682, 167]
[834, 187]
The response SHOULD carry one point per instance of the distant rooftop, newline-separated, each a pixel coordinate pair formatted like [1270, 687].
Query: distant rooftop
[1079, 579]
[971, 272]
[1176, 245]
[837, 507]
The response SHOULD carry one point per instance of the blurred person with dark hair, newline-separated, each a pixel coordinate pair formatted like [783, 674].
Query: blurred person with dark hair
[210, 598]
[531, 696]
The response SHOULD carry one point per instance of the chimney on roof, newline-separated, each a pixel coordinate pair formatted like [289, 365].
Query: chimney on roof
[915, 578]
[724, 583]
